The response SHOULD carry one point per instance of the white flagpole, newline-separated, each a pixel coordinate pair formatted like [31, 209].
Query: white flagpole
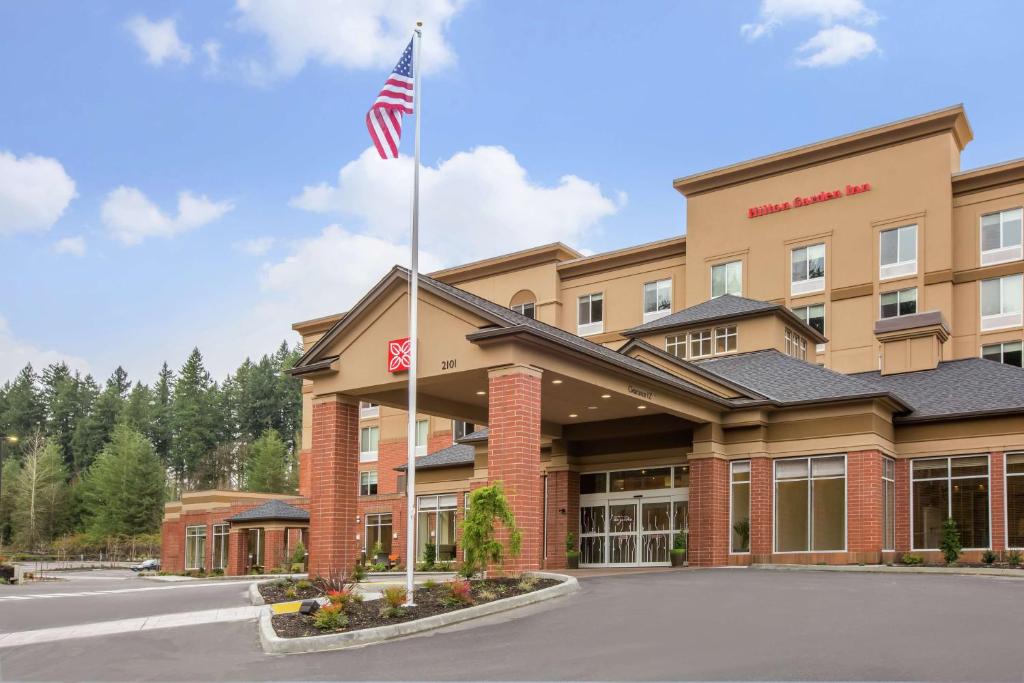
[414, 289]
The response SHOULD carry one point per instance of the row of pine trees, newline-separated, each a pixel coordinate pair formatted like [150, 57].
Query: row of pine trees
[101, 461]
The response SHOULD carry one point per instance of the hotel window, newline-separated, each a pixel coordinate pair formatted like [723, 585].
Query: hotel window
[808, 269]
[1001, 237]
[1015, 500]
[368, 483]
[220, 546]
[1006, 352]
[1001, 301]
[810, 504]
[195, 547]
[591, 314]
[700, 343]
[461, 429]
[888, 504]
[739, 507]
[422, 429]
[368, 410]
[814, 316]
[378, 530]
[527, 309]
[796, 345]
[900, 302]
[954, 488]
[727, 278]
[369, 440]
[657, 299]
[676, 345]
[898, 252]
[725, 339]
[436, 524]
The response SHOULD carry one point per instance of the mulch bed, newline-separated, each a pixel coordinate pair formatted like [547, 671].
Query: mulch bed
[429, 601]
[275, 591]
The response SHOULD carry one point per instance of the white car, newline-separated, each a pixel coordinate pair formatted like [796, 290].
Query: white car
[146, 565]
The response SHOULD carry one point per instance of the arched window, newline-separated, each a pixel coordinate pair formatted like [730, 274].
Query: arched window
[524, 302]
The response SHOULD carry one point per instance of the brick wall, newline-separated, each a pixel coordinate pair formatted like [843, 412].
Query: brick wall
[902, 521]
[709, 512]
[864, 506]
[335, 486]
[997, 499]
[563, 515]
[514, 455]
[760, 510]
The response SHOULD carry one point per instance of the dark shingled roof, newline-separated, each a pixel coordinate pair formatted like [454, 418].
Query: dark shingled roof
[784, 379]
[478, 435]
[453, 456]
[966, 387]
[725, 306]
[271, 510]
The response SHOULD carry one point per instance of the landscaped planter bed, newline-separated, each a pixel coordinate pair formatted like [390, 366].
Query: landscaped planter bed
[430, 601]
[275, 591]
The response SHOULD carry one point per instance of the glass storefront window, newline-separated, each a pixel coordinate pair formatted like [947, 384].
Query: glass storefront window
[195, 547]
[739, 514]
[954, 487]
[1015, 500]
[888, 504]
[220, 546]
[435, 524]
[593, 483]
[378, 530]
[641, 480]
[810, 504]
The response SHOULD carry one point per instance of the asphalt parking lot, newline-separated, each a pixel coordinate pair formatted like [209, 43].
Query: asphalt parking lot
[693, 625]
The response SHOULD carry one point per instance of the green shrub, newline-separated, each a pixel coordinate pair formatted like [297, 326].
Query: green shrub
[570, 543]
[330, 618]
[298, 568]
[950, 545]
[989, 557]
[282, 583]
[679, 543]
[291, 593]
[487, 505]
[298, 555]
[218, 572]
[429, 555]
[527, 584]
[486, 594]
[393, 598]
[911, 559]
[379, 567]
[303, 584]
[1014, 558]
[358, 572]
[429, 583]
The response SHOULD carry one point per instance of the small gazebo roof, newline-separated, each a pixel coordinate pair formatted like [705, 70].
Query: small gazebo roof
[271, 510]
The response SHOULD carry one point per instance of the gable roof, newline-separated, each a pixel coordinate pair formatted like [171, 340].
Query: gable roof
[720, 309]
[971, 387]
[271, 510]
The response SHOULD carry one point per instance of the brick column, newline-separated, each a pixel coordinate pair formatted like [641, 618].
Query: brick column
[902, 521]
[563, 515]
[172, 546]
[237, 548]
[273, 554]
[997, 500]
[709, 512]
[513, 454]
[761, 510]
[334, 461]
[864, 506]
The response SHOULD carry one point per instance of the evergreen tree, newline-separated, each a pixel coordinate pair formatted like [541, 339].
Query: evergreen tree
[193, 419]
[124, 489]
[267, 468]
[161, 427]
[24, 409]
[11, 470]
[64, 409]
[87, 439]
[38, 491]
[138, 410]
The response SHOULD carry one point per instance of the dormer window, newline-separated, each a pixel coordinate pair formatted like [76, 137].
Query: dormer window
[725, 339]
[808, 270]
[700, 343]
[796, 345]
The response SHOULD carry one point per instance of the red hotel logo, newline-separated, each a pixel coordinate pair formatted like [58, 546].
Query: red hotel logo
[399, 355]
[824, 196]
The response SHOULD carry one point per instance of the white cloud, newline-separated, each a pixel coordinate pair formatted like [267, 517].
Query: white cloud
[15, 353]
[70, 245]
[34, 191]
[836, 46]
[159, 40]
[131, 217]
[211, 48]
[256, 246]
[476, 204]
[354, 35]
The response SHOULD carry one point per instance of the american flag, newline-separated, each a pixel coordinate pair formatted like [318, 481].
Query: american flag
[384, 120]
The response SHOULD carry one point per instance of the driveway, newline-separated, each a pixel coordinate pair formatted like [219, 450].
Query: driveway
[728, 624]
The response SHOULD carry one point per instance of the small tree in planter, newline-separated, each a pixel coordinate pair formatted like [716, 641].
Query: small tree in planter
[742, 529]
[487, 505]
[298, 558]
[950, 545]
[572, 556]
[679, 550]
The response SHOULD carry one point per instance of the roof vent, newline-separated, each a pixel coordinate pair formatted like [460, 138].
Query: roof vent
[912, 342]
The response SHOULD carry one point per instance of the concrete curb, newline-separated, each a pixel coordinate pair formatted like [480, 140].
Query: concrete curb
[274, 644]
[887, 569]
[254, 593]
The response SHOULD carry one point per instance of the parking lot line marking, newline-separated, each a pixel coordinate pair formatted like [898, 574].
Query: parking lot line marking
[115, 591]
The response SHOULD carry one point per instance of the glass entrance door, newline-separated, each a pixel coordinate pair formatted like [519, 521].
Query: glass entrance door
[622, 533]
[655, 531]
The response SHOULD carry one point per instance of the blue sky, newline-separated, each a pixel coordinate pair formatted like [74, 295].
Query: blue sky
[196, 173]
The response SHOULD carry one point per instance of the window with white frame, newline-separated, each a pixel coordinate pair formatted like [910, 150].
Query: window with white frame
[1001, 236]
[1001, 301]
[195, 547]
[368, 410]
[219, 560]
[369, 441]
[888, 504]
[657, 299]
[378, 530]
[739, 506]
[590, 312]
[796, 345]
[435, 524]
[900, 302]
[1008, 353]
[676, 345]
[700, 343]
[1015, 500]
[422, 430]
[897, 252]
[727, 278]
[810, 504]
[950, 488]
[725, 339]
[528, 309]
[808, 269]
[368, 483]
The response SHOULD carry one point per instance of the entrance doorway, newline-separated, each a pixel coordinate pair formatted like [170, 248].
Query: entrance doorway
[630, 517]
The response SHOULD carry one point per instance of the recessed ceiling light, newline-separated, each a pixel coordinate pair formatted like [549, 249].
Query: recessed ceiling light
[481, 393]
[606, 395]
[641, 407]
[591, 407]
[556, 381]
[573, 415]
